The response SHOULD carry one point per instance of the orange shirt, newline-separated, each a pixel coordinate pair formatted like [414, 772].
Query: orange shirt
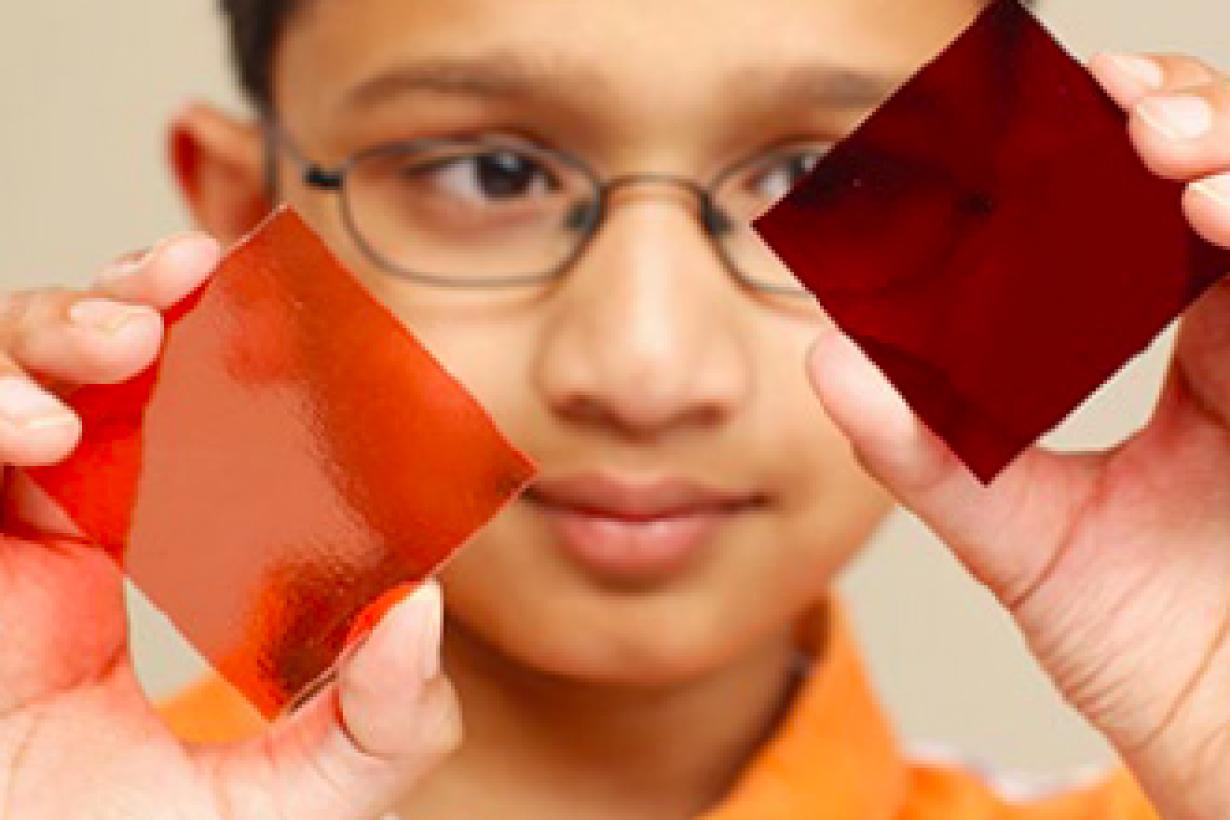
[834, 756]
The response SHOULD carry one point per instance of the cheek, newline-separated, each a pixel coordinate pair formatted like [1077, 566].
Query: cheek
[475, 337]
[827, 504]
[811, 463]
[486, 343]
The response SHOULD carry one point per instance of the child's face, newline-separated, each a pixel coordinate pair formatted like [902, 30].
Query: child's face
[647, 362]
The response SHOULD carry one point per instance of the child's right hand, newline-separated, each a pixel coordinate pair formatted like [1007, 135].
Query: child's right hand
[77, 736]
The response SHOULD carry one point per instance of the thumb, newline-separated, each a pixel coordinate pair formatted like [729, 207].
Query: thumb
[1006, 533]
[366, 738]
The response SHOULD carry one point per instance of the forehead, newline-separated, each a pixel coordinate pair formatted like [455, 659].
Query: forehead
[664, 50]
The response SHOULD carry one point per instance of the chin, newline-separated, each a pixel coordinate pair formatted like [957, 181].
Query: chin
[655, 639]
[649, 658]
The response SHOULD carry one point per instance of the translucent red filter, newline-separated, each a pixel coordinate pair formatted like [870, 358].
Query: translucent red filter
[991, 239]
[293, 455]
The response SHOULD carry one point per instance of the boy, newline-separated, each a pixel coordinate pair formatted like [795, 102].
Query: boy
[647, 632]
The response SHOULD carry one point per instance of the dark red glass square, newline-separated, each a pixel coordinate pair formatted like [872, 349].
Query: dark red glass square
[293, 455]
[991, 239]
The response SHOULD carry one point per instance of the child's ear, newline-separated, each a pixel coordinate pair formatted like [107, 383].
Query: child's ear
[219, 163]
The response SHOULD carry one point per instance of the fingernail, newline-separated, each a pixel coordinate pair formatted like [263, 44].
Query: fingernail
[123, 267]
[1141, 69]
[1215, 188]
[184, 249]
[1178, 118]
[29, 407]
[185, 260]
[375, 612]
[105, 315]
[429, 620]
[189, 249]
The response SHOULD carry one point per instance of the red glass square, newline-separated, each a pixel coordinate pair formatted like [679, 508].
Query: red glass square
[293, 455]
[991, 239]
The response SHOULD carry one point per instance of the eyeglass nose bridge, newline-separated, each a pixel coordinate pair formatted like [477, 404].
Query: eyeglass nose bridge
[588, 219]
[713, 221]
[711, 217]
[651, 178]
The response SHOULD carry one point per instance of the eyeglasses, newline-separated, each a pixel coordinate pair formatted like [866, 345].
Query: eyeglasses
[494, 212]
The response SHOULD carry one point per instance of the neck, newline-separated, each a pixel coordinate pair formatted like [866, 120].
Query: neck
[550, 746]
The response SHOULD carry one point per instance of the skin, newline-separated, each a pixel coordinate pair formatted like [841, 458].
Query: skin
[649, 357]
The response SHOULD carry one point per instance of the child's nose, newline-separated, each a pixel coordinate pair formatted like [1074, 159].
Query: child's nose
[647, 333]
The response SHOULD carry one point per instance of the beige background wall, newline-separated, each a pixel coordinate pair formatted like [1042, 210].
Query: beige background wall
[85, 88]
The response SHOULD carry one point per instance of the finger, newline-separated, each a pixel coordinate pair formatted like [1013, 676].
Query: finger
[36, 428]
[403, 649]
[113, 333]
[1207, 205]
[164, 275]
[1184, 134]
[1129, 77]
[82, 339]
[354, 749]
[1006, 533]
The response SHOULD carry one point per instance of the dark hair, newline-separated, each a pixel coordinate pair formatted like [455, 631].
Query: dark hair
[255, 26]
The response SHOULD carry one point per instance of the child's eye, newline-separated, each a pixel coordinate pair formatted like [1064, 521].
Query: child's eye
[775, 180]
[497, 175]
[451, 195]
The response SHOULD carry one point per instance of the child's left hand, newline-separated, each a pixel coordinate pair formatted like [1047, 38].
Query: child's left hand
[1115, 565]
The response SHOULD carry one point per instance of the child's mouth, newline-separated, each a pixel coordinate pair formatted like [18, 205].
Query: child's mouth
[636, 531]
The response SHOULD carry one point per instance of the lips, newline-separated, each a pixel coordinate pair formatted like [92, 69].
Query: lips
[638, 531]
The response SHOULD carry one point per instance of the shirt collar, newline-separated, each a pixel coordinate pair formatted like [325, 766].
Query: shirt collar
[835, 755]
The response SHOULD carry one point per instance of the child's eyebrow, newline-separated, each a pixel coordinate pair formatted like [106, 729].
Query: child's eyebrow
[504, 75]
[818, 86]
[494, 75]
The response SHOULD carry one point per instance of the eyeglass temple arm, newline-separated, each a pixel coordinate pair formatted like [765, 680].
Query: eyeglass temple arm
[312, 174]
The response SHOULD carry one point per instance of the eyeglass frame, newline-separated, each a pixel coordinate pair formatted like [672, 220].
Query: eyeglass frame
[712, 219]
